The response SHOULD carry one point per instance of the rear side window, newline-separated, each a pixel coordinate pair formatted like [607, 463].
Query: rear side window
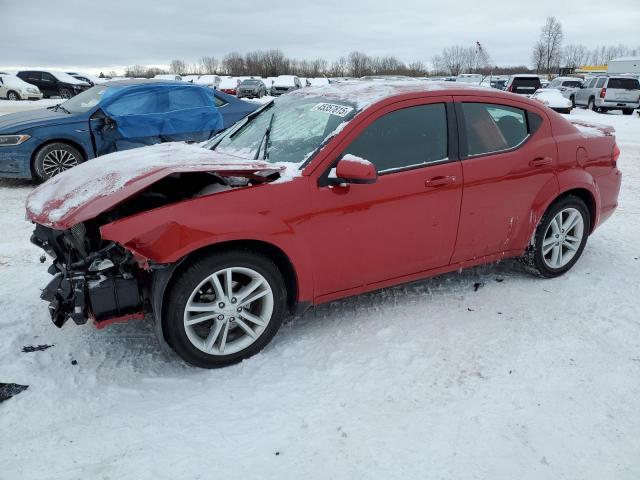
[600, 82]
[182, 98]
[404, 138]
[492, 128]
[591, 83]
[219, 102]
[624, 83]
[571, 84]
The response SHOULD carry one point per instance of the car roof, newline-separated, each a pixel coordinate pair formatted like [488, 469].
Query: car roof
[141, 81]
[364, 93]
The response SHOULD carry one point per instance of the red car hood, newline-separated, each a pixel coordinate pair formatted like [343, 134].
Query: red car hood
[98, 185]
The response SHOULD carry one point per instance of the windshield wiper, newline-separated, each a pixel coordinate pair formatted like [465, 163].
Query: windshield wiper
[60, 107]
[265, 139]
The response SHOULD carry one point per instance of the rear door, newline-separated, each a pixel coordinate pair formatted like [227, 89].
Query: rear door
[582, 94]
[508, 159]
[187, 116]
[623, 90]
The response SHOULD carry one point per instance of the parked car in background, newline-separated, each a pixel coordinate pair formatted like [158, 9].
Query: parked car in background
[14, 88]
[251, 88]
[523, 84]
[568, 86]
[106, 118]
[609, 93]
[544, 82]
[471, 78]
[168, 76]
[285, 83]
[190, 78]
[211, 81]
[54, 84]
[232, 108]
[319, 81]
[229, 85]
[222, 242]
[500, 84]
[553, 99]
[87, 78]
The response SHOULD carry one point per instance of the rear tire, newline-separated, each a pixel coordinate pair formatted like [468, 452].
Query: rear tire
[591, 105]
[208, 327]
[53, 159]
[627, 111]
[573, 101]
[560, 238]
[11, 95]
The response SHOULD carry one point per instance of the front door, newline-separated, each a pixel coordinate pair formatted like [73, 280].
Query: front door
[508, 162]
[404, 223]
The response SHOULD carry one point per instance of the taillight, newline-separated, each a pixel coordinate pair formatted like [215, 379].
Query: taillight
[603, 92]
[615, 154]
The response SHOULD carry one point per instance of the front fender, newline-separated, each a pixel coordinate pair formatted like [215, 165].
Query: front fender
[167, 234]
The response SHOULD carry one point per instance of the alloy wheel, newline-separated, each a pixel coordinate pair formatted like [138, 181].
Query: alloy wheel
[228, 311]
[57, 161]
[562, 238]
[13, 96]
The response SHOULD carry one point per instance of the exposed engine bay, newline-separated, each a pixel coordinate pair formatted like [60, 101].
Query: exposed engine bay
[100, 280]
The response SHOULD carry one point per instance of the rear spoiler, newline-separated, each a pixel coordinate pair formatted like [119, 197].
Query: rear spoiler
[593, 129]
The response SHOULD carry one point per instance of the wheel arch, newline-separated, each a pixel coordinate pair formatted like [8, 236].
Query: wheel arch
[588, 198]
[69, 142]
[279, 257]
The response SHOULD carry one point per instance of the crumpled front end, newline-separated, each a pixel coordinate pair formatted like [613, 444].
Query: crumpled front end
[92, 280]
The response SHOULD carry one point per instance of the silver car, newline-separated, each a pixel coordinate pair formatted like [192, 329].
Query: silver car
[568, 86]
[609, 93]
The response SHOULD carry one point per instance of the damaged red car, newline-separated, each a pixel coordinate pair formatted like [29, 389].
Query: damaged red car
[323, 193]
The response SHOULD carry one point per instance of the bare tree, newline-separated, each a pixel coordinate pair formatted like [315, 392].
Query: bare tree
[574, 56]
[338, 68]
[208, 65]
[537, 57]
[233, 63]
[178, 66]
[551, 39]
[358, 64]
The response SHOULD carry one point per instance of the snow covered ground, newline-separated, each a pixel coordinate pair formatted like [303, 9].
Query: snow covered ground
[486, 374]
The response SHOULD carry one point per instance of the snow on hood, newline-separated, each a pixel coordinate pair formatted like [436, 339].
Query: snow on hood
[589, 129]
[100, 184]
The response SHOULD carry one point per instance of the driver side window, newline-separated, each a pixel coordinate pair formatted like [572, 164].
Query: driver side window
[409, 137]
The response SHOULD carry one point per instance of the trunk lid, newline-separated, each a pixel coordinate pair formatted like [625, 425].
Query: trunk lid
[98, 185]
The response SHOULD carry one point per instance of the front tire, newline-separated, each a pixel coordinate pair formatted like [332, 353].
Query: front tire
[65, 93]
[560, 237]
[53, 159]
[223, 308]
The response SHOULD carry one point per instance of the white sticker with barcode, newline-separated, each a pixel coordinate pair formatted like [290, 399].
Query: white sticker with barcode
[332, 109]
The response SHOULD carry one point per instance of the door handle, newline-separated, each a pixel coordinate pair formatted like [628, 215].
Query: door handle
[440, 181]
[540, 162]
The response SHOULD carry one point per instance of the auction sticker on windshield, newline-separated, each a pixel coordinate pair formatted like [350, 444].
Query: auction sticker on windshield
[333, 109]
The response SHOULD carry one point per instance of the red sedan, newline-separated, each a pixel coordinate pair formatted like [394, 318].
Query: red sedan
[323, 193]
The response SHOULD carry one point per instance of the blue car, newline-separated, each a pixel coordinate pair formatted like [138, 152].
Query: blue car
[110, 117]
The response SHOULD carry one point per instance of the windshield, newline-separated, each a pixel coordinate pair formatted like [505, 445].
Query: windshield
[289, 128]
[86, 100]
[65, 77]
[251, 82]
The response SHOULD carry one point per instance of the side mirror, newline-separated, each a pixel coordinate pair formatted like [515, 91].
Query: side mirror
[352, 169]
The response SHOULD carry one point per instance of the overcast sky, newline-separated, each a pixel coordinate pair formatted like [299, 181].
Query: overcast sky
[101, 35]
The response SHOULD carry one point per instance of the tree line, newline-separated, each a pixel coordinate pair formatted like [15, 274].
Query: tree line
[549, 53]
